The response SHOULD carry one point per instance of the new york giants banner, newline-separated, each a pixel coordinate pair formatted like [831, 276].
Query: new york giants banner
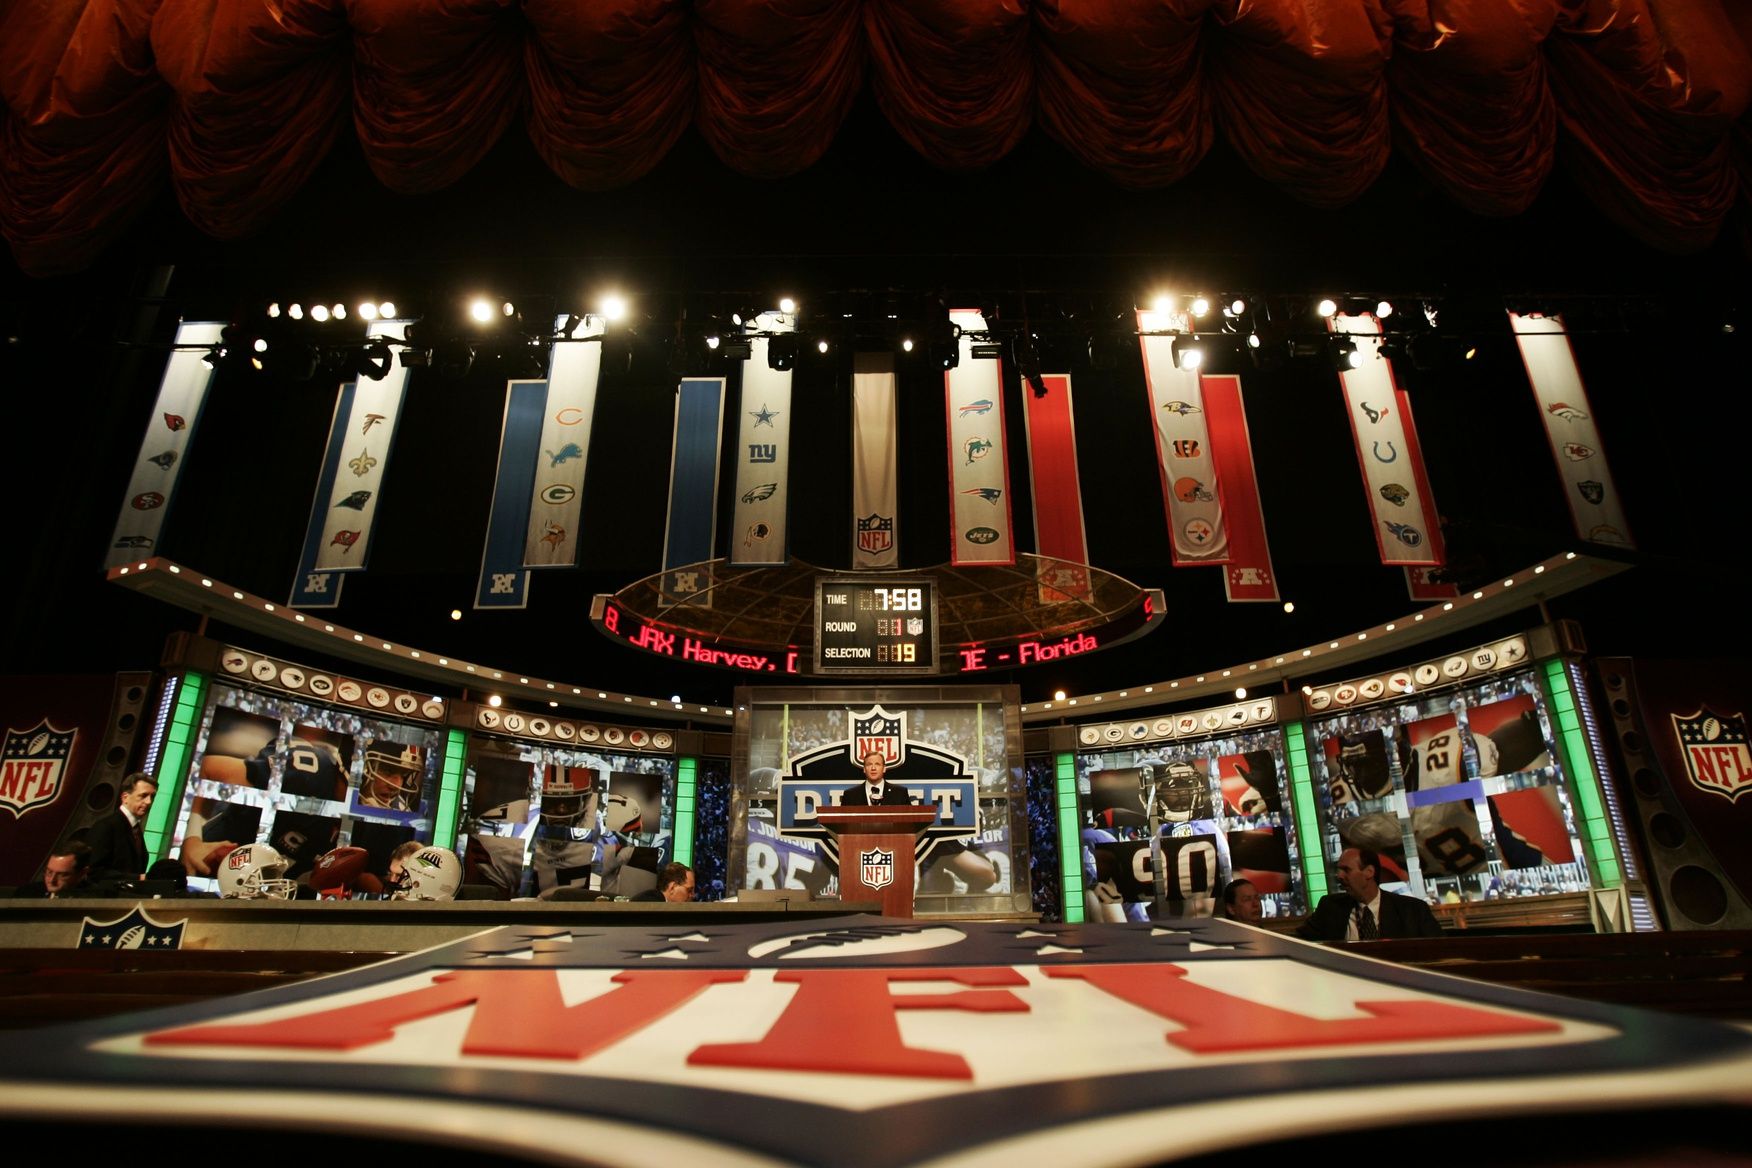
[152, 487]
[1198, 533]
[875, 481]
[504, 582]
[1059, 537]
[555, 487]
[1248, 574]
[688, 538]
[1593, 500]
[979, 474]
[1400, 503]
[757, 531]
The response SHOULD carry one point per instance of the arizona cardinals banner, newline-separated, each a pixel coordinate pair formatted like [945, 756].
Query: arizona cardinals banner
[1197, 532]
[875, 481]
[504, 582]
[1059, 537]
[1248, 574]
[1400, 503]
[688, 539]
[556, 487]
[169, 430]
[758, 534]
[1593, 500]
[979, 472]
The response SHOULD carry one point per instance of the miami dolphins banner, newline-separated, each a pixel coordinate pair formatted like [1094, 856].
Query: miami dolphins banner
[1400, 503]
[1059, 537]
[1593, 500]
[504, 582]
[979, 475]
[1248, 574]
[152, 487]
[1197, 530]
[554, 512]
[763, 453]
[689, 537]
[875, 481]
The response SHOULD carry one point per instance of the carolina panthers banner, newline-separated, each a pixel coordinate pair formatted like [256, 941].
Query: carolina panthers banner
[181, 394]
[1569, 425]
[1400, 503]
[556, 487]
[349, 508]
[875, 481]
[504, 583]
[763, 453]
[1198, 533]
[979, 474]
[1248, 574]
[1059, 537]
[688, 539]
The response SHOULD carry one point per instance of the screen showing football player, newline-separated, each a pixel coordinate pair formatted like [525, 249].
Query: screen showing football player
[215, 828]
[394, 772]
[313, 769]
[876, 790]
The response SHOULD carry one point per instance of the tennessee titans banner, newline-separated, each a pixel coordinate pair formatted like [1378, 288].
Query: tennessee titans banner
[875, 481]
[1569, 425]
[693, 491]
[351, 505]
[556, 487]
[168, 432]
[1400, 503]
[1058, 501]
[1198, 533]
[763, 453]
[504, 583]
[1248, 574]
[979, 474]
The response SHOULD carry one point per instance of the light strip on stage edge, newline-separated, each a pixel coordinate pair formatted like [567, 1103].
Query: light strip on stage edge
[1597, 751]
[173, 760]
[686, 783]
[1070, 838]
[449, 814]
[1578, 765]
[160, 720]
[1308, 837]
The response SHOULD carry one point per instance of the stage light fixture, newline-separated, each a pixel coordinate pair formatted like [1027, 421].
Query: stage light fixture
[367, 310]
[1253, 340]
[614, 306]
[1027, 353]
[782, 351]
[260, 344]
[1237, 306]
[386, 310]
[1327, 307]
[480, 311]
[906, 344]
[339, 312]
[319, 313]
[374, 360]
[1191, 357]
[453, 358]
[508, 309]
[1162, 303]
[1383, 309]
[821, 345]
[1200, 306]
[1345, 355]
[787, 305]
[274, 311]
[713, 341]
[295, 311]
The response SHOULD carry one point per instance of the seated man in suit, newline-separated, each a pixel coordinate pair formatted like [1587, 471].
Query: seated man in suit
[675, 885]
[875, 791]
[1363, 912]
[63, 875]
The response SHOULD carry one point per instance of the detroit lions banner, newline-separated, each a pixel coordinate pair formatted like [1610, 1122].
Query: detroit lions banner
[554, 513]
[688, 538]
[1593, 500]
[1059, 537]
[1198, 533]
[979, 474]
[763, 453]
[152, 487]
[1248, 574]
[875, 481]
[1400, 503]
[504, 583]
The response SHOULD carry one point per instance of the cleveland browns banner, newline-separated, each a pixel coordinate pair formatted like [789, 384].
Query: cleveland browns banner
[1197, 531]
[1248, 574]
[504, 582]
[689, 538]
[1059, 537]
[979, 473]
[758, 534]
[875, 481]
[554, 513]
[1401, 506]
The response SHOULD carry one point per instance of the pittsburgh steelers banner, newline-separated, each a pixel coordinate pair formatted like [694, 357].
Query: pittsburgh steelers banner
[1059, 537]
[1400, 503]
[556, 487]
[875, 481]
[1569, 425]
[169, 430]
[763, 451]
[1197, 532]
[504, 582]
[1248, 574]
[688, 538]
[979, 475]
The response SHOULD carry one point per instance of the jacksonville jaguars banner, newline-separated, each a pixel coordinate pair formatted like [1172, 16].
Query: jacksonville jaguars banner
[1593, 499]
[689, 538]
[1059, 537]
[875, 479]
[554, 513]
[169, 430]
[979, 474]
[1197, 530]
[504, 582]
[1248, 574]
[763, 452]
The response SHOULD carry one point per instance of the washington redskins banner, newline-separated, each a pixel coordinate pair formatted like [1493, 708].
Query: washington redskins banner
[758, 534]
[979, 469]
[1248, 574]
[1594, 503]
[1059, 537]
[1197, 532]
[504, 582]
[1400, 503]
[689, 537]
[875, 479]
[553, 517]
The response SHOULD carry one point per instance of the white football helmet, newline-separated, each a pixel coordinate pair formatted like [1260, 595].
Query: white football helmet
[393, 773]
[253, 872]
[432, 873]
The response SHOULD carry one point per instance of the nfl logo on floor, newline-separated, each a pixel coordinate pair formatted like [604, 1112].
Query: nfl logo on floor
[876, 867]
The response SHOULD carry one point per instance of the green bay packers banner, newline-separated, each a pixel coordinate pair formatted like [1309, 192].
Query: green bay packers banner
[1248, 574]
[504, 581]
[875, 479]
[1594, 503]
[1059, 536]
[556, 490]
[689, 538]
[169, 430]
[1198, 532]
[763, 452]
[979, 476]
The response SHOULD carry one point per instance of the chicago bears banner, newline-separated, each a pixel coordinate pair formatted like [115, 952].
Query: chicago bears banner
[1059, 537]
[1197, 531]
[875, 481]
[1400, 503]
[554, 513]
[763, 469]
[689, 539]
[1248, 574]
[504, 583]
[979, 473]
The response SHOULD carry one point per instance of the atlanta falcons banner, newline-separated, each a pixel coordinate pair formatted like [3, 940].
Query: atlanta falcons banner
[1248, 574]
[1400, 503]
[504, 583]
[1198, 533]
[875, 481]
[1569, 426]
[1059, 537]
[554, 513]
[689, 537]
[758, 534]
[979, 472]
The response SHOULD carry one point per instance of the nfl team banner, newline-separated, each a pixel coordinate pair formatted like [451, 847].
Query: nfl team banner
[556, 486]
[169, 430]
[1420, 586]
[351, 505]
[1569, 425]
[1198, 533]
[1400, 503]
[979, 474]
[688, 538]
[763, 463]
[504, 582]
[875, 481]
[313, 588]
[1248, 574]
[1059, 536]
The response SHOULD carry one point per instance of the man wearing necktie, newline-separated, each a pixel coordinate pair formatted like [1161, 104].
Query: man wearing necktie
[118, 841]
[1364, 911]
[875, 790]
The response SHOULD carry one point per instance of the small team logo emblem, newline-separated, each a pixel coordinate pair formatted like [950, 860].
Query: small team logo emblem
[32, 764]
[875, 533]
[555, 494]
[370, 421]
[1717, 757]
[981, 535]
[345, 540]
[163, 461]
[1565, 411]
[176, 421]
[565, 453]
[356, 500]
[1592, 490]
[1190, 490]
[1375, 415]
[1186, 448]
[876, 867]
[554, 536]
[1427, 674]
[1395, 493]
[976, 449]
[982, 406]
[362, 464]
[263, 670]
[137, 930]
[1180, 407]
[1405, 533]
[1198, 532]
[763, 416]
[758, 493]
[1576, 452]
[989, 494]
[147, 501]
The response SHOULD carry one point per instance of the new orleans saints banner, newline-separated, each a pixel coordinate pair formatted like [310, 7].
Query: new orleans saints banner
[763, 469]
[169, 430]
[1059, 537]
[504, 582]
[556, 488]
[693, 490]
[979, 475]
[875, 481]
[1248, 574]
[1197, 531]
[1400, 503]
[1569, 425]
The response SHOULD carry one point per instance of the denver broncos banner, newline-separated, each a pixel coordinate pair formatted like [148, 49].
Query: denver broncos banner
[758, 534]
[554, 513]
[1569, 426]
[504, 583]
[1248, 574]
[1059, 537]
[689, 537]
[169, 430]
[875, 481]
[1198, 533]
[1400, 502]
[979, 474]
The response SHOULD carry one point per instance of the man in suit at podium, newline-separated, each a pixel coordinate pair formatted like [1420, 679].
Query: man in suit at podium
[875, 790]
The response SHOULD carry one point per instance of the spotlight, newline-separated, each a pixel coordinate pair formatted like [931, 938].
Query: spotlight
[1200, 306]
[1240, 693]
[1383, 309]
[495, 701]
[1162, 303]
[1237, 306]
[480, 311]
[782, 351]
[1191, 357]
[1289, 606]
[295, 311]
[821, 345]
[614, 306]
[906, 344]
[386, 310]
[1326, 308]
[367, 311]
[1058, 695]
[319, 313]
[508, 309]
[1345, 355]
[456, 614]
[260, 345]
[1253, 340]
[713, 341]
[787, 305]
[339, 312]
[274, 311]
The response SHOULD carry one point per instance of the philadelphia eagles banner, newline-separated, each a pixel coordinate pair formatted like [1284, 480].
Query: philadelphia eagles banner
[1198, 533]
[1059, 537]
[758, 534]
[979, 475]
[504, 582]
[1401, 506]
[554, 512]
[689, 536]
[875, 480]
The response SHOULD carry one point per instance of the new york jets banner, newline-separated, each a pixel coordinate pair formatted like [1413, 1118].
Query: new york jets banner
[1059, 537]
[152, 487]
[979, 476]
[763, 452]
[556, 486]
[504, 582]
[688, 537]
[1198, 533]
[875, 481]
[1400, 503]
[1593, 500]
[1248, 574]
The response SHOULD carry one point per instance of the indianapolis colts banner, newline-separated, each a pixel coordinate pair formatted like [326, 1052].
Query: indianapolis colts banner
[1593, 500]
[1198, 533]
[979, 475]
[1248, 574]
[152, 487]
[1059, 536]
[688, 537]
[875, 479]
[1400, 503]
[554, 513]
[763, 466]
[504, 583]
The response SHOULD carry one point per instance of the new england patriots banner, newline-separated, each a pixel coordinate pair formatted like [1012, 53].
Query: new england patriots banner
[688, 538]
[979, 473]
[1400, 502]
[1593, 500]
[1059, 537]
[763, 468]
[504, 583]
[152, 487]
[555, 487]
[1198, 533]
[875, 481]
[1248, 574]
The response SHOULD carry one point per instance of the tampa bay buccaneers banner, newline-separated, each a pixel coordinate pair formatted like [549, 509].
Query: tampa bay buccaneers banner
[504, 582]
[1196, 528]
[553, 514]
[875, 479]
[689, 537]
[758, 533]
[1059, 537]
[1248, 574]
[1400, 503]
[979, 475]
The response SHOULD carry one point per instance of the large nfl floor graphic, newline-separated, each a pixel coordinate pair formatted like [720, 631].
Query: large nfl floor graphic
[871, 1042]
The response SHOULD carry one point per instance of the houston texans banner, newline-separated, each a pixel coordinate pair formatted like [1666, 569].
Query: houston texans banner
[1198, 533]
[504, 583]
[875, 481]
[554, 513]
[689, 539]
[1593, 500]
[152, 487]
[1059, 537]
[979, 471]
[758, 533]
[1248, 574]
[1400, 503]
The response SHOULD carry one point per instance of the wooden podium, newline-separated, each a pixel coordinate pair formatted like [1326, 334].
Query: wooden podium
[887, 835]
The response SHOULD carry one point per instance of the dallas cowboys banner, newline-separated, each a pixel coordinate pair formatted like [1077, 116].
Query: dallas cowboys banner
[979, 475]
[757, 530]
[1400, 502]
[1569, 426]
[152, 487]
[504, 583]
[556, 485]
[1248, 574]
[875, 481]
[689, 537]
[1059, 537]
[1198, 533]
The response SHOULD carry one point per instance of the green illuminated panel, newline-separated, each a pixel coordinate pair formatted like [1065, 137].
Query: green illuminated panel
[1572, 744]
[450, 783]
[1308, 835]
[173, 761]
[1070, 838]
[686, 789]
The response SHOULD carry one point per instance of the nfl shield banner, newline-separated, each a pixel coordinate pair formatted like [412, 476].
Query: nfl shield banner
[763, 452]
[875, 489]
[1248, 574]
[553, 516]
[503, 582]
[1198, 533]
[876, 867]
[1058, 500]
[979, 475]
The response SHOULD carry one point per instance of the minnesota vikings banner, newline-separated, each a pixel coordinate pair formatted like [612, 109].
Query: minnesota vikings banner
[556, 488]
[168, 432]
[875, 482]
[979, 474]
[1400, 503]
[1198, 533]
[1248, 574]
[757, 531]
[1569, 425]
[1058, 502]
[504, 583]
[688, 539]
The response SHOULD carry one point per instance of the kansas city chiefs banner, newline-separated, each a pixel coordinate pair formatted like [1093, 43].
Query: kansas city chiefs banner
[1400, 503]
[689, 538]
[758, 533]
[1059, 537]
[875, 479]
[1248, 574]
[979, 474]
[555, 487]
[504, 583]
[1197, 531]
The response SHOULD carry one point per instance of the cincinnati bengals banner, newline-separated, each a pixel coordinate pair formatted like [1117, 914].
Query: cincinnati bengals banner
[1197, 531]
[689, 538]
[1248, 574]
[1593, 500]
[504, 583]
[875, 480]
[152, 487]
[1059, 538]
[758, 533]
[1400, 502]
[554, 513]
[979, 474]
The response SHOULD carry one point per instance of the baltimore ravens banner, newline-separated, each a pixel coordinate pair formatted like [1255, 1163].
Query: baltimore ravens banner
[763, 452]
[1400, 502]
[1059, 537]
[556, 487]
[875, 481]
[688, 538]
[979, 474]
[181, 394]
[504, 582]
[1248, 574]
[1197, 531]
[1569, 425]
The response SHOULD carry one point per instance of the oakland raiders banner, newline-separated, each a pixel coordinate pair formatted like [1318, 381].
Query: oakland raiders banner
[1059, 536]
[1197, 531]
[504, 583]
[556, 487]
[688, 538]
[979, 475]
[763, 452]
[1400, 503]
[1248, 574]
[875, 481]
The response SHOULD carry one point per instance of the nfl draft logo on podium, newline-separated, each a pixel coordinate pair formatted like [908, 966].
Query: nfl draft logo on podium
[876, 867]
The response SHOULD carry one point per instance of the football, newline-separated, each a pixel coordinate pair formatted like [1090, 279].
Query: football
[340, 868]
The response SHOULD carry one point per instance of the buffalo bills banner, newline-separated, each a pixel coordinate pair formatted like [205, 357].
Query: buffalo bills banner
[1197, 531]
[1059, 537]
[1400, 503]
[1594, 504]
[763, 452]
[504, 583]
[979, 473]
[1248, 574]
[689, 537]
[875, 480]
[554, 513]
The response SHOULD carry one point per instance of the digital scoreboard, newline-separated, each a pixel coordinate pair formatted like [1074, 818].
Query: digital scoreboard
[869, 624]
